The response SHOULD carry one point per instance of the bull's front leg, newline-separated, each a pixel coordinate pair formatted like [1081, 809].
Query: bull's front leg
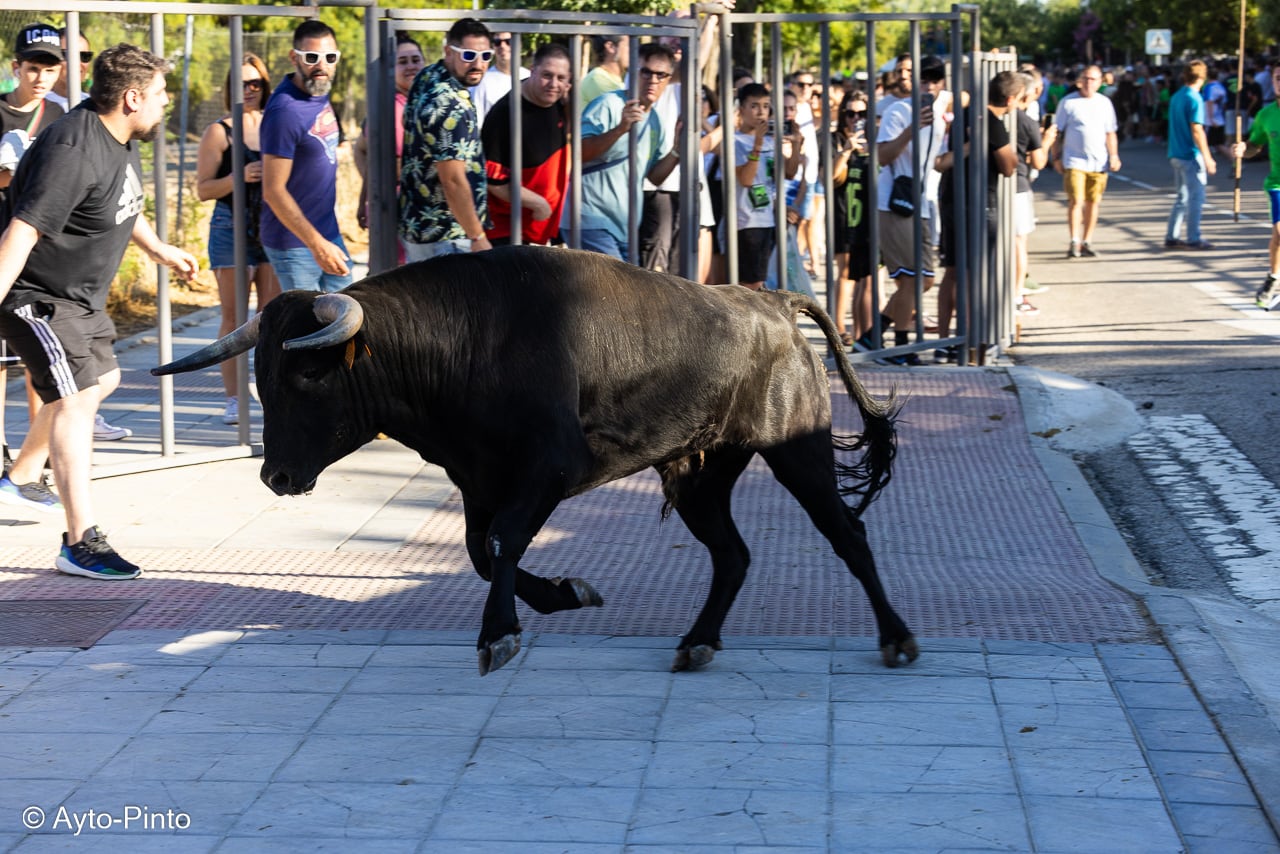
[500, 629]
[509, 534]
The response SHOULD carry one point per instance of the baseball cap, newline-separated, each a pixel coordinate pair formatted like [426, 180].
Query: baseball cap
[38, 40]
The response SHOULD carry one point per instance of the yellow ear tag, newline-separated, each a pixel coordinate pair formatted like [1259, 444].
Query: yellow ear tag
[350, 356]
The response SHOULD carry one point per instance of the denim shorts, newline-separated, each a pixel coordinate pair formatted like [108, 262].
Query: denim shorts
[423, 251]
[222, 242]
[298, 270]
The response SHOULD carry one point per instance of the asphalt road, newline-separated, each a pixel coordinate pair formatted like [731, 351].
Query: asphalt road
[1174, 331]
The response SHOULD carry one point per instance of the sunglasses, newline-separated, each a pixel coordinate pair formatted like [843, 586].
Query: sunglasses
[313, 57]
[86, 56]
[255, 85]
[808, 84]
[502, 41]
[656, 75]
[855, 114]
[468, 55]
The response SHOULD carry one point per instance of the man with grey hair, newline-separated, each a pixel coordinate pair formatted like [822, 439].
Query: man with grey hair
[1086, 149]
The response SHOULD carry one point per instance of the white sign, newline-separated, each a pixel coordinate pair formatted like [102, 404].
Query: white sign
[1159, 42]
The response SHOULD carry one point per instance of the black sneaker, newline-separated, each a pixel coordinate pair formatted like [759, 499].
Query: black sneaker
[1086, 252]
[1268, 295]
[1173, 243]
[36, 496]
[93, 557]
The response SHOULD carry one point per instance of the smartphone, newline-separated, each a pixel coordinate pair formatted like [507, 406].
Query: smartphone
[773, 128]
[789, 128]
[926, 100]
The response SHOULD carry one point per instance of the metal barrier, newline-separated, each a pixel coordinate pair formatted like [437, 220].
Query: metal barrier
[985, 295]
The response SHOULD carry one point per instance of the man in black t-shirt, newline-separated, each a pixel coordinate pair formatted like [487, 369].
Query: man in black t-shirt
[77, 202]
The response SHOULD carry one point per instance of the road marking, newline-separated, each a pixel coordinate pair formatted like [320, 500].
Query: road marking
[1220, 495]
[1208, 206]
[1256, 321]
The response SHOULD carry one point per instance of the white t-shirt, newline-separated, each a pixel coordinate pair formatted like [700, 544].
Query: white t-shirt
[750, 216]
[1084, 124]
[895, 120]
[490, 90]
[54, 98]
[1216, 94]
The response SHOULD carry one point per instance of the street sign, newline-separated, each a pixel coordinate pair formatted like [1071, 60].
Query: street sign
[1159, 42]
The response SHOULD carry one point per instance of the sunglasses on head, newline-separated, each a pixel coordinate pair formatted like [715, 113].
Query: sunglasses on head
[313, 57]
[469, 55]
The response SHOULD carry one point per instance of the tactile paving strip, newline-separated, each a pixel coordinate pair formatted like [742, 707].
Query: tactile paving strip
[61, 622]
[969, 538]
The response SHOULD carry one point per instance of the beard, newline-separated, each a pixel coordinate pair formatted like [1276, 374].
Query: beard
[150, 134]
[316, 86]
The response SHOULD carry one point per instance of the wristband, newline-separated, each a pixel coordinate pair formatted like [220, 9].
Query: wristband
[479, 236]
[753, 157]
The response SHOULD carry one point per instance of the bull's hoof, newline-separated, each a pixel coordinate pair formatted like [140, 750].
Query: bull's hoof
[498, 653]
[891, 653]
[693, 657]
[587, 595]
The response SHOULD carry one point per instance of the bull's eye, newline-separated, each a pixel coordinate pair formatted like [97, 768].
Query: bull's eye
[311, 374]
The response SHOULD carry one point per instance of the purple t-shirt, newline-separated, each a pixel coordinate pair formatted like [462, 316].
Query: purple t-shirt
[303, 129]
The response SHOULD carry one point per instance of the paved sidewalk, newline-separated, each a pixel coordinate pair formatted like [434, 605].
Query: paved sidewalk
[300, 674]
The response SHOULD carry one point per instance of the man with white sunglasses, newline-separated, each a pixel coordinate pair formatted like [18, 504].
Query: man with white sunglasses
[299, 139]
[443, 196]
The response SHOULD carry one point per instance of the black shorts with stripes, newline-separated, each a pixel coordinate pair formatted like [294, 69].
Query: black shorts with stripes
[65, 345]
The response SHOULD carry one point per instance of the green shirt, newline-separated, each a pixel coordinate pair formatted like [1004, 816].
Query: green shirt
[1266, 130]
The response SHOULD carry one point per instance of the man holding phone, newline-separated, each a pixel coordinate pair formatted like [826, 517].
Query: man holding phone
[896, 143]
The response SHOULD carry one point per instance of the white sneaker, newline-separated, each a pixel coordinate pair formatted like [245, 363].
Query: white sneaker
[104, 432]
[231, 415]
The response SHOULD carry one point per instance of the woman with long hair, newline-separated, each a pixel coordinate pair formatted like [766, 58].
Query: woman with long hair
[215, 181]
[855, 260]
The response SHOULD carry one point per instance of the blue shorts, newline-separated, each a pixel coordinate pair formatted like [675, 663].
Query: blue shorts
[298, 270]
[1274, 196]
[222, 251]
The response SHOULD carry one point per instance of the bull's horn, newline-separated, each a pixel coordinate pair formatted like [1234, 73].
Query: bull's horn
[344, 316]
[227, 347]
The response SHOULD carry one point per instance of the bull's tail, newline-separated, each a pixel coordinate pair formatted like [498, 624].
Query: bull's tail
[878, 442]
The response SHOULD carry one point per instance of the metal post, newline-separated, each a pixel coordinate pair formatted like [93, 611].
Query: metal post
[917, 197]
[575, 144]
[73, 68]
[514, 102]
[690, 155]
[873, 180]
[959, 170]
[779, 166]
[635, 177]
[380, 169]
[164, 317]
[187, 35]
[239, 215]
[729, 178]
[828, 186]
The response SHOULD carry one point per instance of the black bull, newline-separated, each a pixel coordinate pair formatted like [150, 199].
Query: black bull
[531, 375]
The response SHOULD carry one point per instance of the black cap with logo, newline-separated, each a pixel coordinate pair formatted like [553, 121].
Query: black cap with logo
[38, 42]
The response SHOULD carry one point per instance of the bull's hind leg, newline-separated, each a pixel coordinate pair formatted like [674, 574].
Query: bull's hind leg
[805, 466]
[701, 497]
[546, 596]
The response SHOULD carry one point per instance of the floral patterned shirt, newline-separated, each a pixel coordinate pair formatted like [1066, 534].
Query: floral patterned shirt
[439, 124]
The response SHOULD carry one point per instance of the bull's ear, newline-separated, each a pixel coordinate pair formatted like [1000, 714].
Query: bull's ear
[356, 349]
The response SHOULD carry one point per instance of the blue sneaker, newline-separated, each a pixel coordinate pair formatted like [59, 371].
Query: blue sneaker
[36, 496]
[93, 557]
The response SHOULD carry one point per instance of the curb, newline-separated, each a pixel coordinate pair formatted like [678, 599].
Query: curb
[1251, 734]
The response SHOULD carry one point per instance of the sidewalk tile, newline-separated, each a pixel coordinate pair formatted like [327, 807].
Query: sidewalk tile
[269, 678]
[255, 844]
[779, 721]
[214, 806]
[299, 655]
[914, 770]
[1222, 828]
[738, 765]
[401, 759]
[927, 822]
[1044, 726]
[749, 685]
[941, 724]
[1119, 771]
[425, 679]
[118, 676]
[530, 681]
[1052, 692]
[1090, 825]
[1058, 667]
[1202, 778]
[567, 815]
[928, 664]
[296, 811]
[884, 688]
[1177, 729]
[226, 757]
[1157, 695]
[204, 712]
[44, 754]
[400, 714]
[735, 816]
[117, 713]
[538, 762]
[553, 716]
